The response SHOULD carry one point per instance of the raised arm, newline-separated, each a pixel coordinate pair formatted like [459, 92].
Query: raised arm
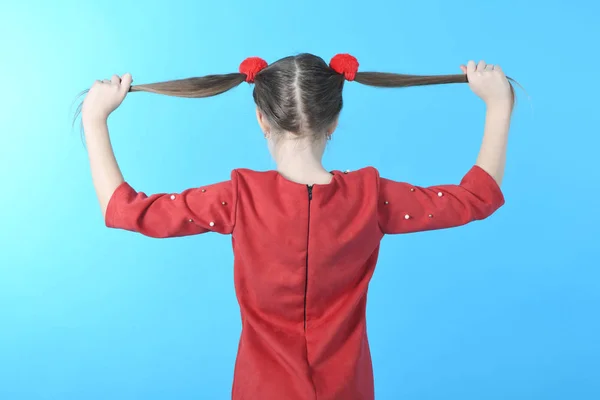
[102, 99]
[491, 85]
[193, 211]
[405, 208]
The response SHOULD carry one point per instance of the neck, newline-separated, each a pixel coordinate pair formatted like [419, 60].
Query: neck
[301, 160]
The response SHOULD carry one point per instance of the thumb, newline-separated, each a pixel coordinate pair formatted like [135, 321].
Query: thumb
[463, 68]
[126, 82]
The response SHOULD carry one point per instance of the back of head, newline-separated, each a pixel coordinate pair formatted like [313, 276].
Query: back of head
[299, 94]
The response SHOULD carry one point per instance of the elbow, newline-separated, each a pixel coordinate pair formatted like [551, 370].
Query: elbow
[485, 190]
[485, 203]
[488, 208]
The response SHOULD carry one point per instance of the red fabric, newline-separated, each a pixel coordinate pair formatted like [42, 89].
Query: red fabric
[252, 66]
[302, 268]
[345, 64]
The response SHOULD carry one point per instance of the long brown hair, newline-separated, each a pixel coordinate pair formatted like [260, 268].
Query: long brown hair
[298, 94]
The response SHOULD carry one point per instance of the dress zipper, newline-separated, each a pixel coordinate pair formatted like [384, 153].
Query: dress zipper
[310, 195]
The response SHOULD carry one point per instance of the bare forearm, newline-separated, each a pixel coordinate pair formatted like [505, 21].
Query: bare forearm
[492, 155]
[106, 174]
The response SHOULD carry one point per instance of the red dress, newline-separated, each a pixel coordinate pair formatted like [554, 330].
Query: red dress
[303, 260]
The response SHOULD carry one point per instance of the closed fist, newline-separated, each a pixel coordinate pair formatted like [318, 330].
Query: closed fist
[488, 82]
[104, 97]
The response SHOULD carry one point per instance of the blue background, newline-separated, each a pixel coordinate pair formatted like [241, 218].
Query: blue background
[501, 309]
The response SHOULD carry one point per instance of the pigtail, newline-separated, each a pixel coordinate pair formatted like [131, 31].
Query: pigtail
[390, 80]
[206, 86]
[347, 66]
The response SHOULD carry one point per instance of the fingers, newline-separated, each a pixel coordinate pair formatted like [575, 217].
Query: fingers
[126, 82]
[498, 70]
[471, 66]
[116, 79]
[481, 66]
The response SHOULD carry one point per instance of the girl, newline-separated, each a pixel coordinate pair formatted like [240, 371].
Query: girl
[305, 239]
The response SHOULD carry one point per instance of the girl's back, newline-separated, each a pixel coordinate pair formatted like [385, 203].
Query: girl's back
[305, 240]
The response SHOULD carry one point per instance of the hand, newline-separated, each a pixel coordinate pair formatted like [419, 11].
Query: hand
[488, 82]
[104, 97]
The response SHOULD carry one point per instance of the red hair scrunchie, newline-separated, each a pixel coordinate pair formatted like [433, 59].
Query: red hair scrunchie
[345, 64]
[252, 66]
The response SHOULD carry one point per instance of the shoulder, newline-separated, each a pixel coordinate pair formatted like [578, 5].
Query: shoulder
[252, 181]
[250, 174]
[366, 174]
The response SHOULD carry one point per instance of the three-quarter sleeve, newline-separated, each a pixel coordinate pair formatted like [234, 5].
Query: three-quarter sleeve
[405, 208]
[194, 211]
